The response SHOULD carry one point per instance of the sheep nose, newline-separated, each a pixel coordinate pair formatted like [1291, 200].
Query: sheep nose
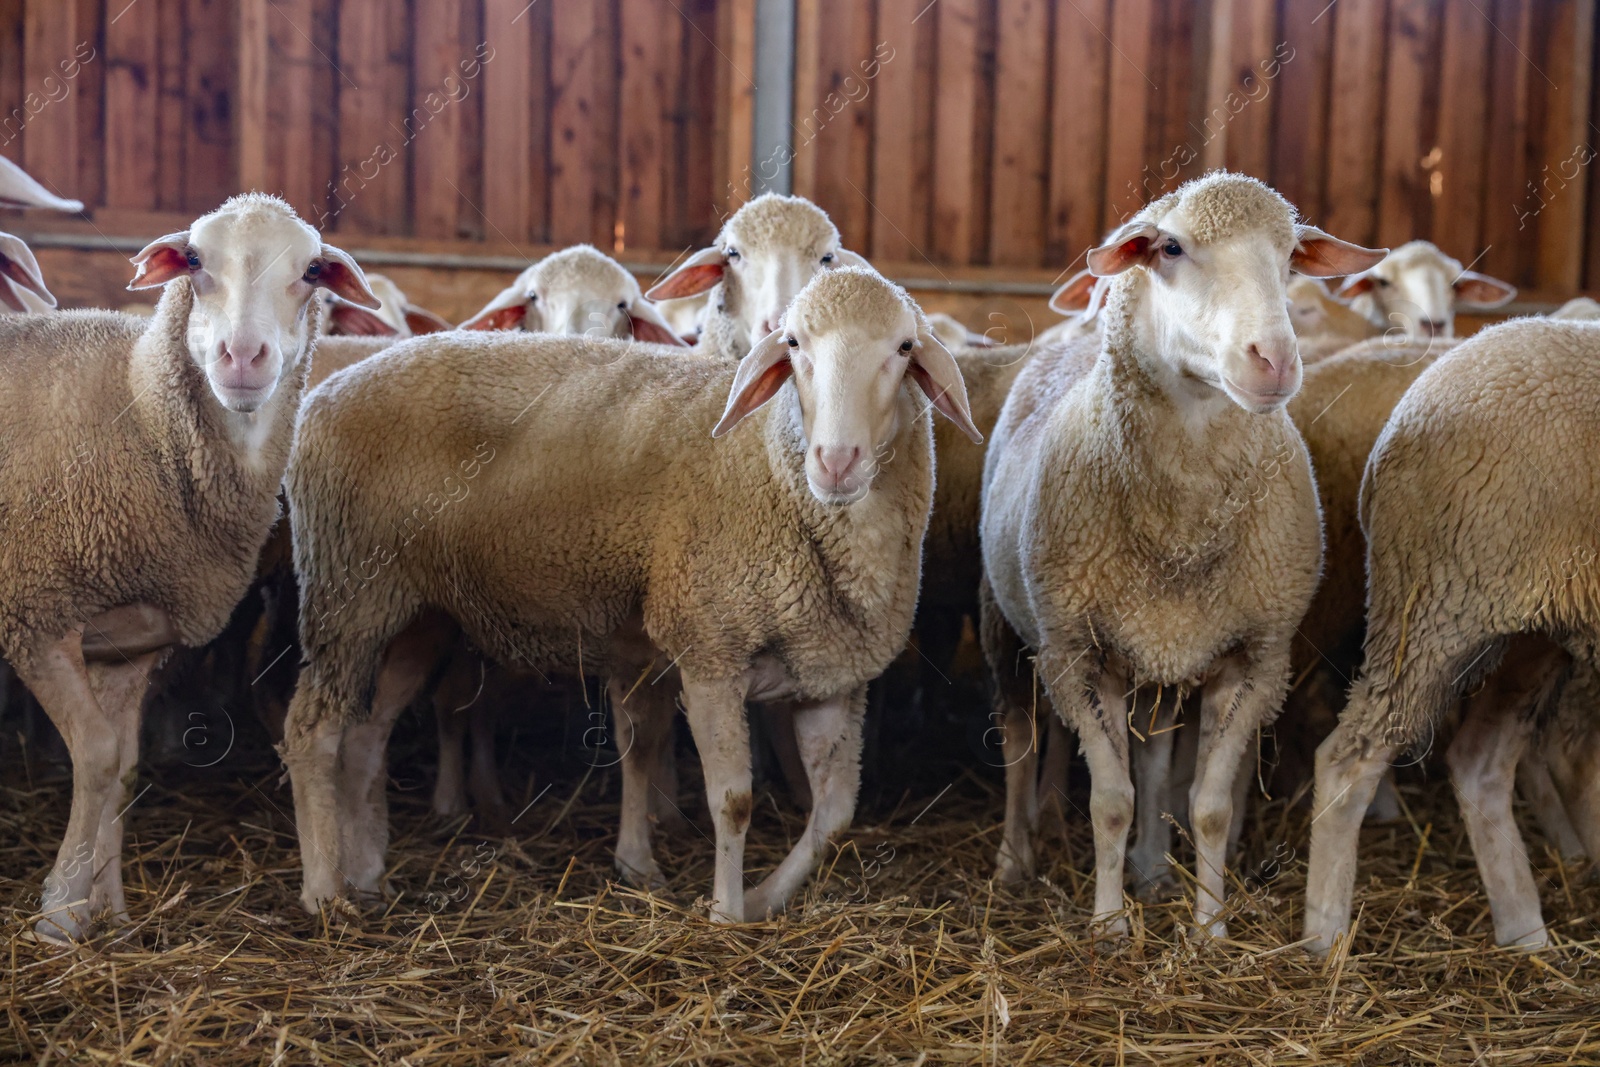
[1433, 327]
[1272, 359]
[837, 461]
[229, 358]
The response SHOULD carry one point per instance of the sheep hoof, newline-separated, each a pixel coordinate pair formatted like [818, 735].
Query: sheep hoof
[61, 930]
[1533, 942]
[1011, 869]
[1158, 888]
[1113, 927]
[646, 875]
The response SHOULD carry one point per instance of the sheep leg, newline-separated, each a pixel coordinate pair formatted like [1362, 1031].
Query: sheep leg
[1152, 771]
[1483, 759]
[829, 736]
[1052, 799]
[1385, 804]
[312, 732]
[785, 746]
[459, 690]
[643, 724]
[664, 807]
[1539, 790]
[716, 714]
[120, 689]
[60, 682]
[1235, 701]
[1014, 699]
[1242, 780]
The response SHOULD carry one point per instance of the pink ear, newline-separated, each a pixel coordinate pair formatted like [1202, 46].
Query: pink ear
[340, 275]
[1127, 247]
[761, 374]
[1361, 283]
[1481, 291]
[161, 260]
[503, 318]
[1317, 255]
[699, 272]
[645, 330]
[20, 271]
[421, 321]
[938, 375]
[349, 320]
[1074, 294]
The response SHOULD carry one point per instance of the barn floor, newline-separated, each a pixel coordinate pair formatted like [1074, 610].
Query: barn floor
[522, 948]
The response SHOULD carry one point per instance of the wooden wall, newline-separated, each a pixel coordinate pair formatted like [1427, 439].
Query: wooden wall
[960, 140]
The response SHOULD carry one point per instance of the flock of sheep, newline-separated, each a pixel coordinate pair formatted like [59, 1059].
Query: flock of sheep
[740, 500]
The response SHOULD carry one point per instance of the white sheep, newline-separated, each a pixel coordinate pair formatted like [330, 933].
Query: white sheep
[395, 317]
[141, 473]
[22, 287]
[1149, 517]
[779, 564]
[1477, 506]
[765, 253]
[578, 291]
[1417, 290]
[1324, 324]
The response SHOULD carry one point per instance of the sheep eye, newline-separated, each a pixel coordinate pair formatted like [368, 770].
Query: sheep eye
[1383, 283]
[193, 258]
[905, 346]
[828, 258]
[1172, 249]
[731, 252]
[622, 305]
[313, 272]
[793, 343]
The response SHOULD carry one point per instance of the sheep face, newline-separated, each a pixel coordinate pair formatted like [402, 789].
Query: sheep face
[1418, 288]
[764, 256]
[579, 291]
[1216, 257]
[848, 343]
[253, 266]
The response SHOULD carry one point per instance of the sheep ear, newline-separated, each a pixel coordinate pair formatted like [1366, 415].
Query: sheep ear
[1361, 283]
[1131, 245]
[938, 375]
[19, 271]
[507, 311]
[347, 319]
[342, 276]
[761, 374]
[161, 260]
[1075, 293]
[648, 324]
[1319, 255]
[420, 321]
[1476, 290]
[846, 258]
[699, 272]
[19, 190]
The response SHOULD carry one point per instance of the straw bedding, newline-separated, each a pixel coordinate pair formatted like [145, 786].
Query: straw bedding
[523, 950]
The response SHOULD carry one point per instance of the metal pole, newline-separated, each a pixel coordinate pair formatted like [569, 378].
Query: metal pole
[772, 145]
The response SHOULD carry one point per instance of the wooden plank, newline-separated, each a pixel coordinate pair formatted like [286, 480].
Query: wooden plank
[84, 75]
[1242, 54]
[955, 122]
[51, 35]
[254, 52]
[650, 38]
[1079, 97]
[293, 80]
[133, 116]
[606, 72]
[808, 91]
[1463, 115]
[837, 126]
[1568, 145]
[369, 194]
[13, 94]
[572, 142]
[171, 96]
[1300, 124]
[1021, 130]
[508, 95]
[1591, 271]
[900, 229]
[1178, 55]
[1129, 105]
[734, 131]
[1354, 112]
[434, 125]
[1505, 193]
[1405, 206]
[695, 195]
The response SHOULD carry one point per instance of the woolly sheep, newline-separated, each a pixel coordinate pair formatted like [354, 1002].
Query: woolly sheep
[140, 479]
[780, 564]
[1477, 504]
[578, 291]
[765, 253]
[1580, 308]
[1323, 324]
[1417, 290]
[1109, 457]
[395, 317]
[22, 287]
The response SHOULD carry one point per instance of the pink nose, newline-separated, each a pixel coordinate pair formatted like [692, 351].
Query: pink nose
[837, 462]
[231, 360]
[1273, 359]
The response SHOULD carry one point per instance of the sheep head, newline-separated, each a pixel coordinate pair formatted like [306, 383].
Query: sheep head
[578, 291]
[1418, 289]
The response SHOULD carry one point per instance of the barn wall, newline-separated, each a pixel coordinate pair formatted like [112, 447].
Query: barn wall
[962, 141]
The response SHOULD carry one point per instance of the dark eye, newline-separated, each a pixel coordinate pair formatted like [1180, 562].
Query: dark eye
[313, 272]
[793, 343]
[731, 252]
[828, 258]
[1172, 249]
[193, 258]
[622, 305]
[1383, 283]
[905, 346]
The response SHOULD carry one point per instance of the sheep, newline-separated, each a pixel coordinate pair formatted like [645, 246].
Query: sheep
[397, 317]
[1579, 308]
[1417, 290]
[139, 480]
[953, 333]
[1322, 324]
[1080, 298]
[1110, 456]
[780, 564]
[22, 287]
[578, 290]
[1477, 504]
[765, 253]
